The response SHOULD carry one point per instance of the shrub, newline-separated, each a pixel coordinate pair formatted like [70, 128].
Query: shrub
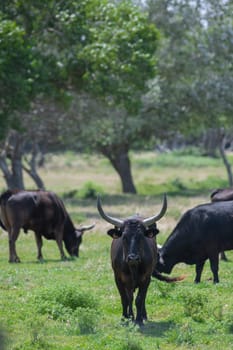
[195, 306]
[90, 190]
[61, 300]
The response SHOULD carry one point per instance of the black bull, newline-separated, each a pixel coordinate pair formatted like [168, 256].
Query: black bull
[42, 212]
[133, 257]
[201, 234]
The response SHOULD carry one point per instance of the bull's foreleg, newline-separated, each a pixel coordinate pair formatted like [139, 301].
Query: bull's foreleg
[199, 269]
[130, 302]
[59, 239]
[124, 297]
[13, 235]
[141, 303]
[214, 267]
[39, 244]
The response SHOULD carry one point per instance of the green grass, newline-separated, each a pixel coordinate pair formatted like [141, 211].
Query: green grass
[74, 304]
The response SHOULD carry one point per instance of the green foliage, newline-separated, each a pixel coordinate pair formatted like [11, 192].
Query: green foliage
[37, 339]
[120, 53]
[16, 73]
[52, 300]
[194, 34]
[186, 187]
[195, 306]
[77, 310]
[90, 190]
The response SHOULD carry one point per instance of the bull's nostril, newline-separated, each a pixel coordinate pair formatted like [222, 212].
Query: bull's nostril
[133, 258]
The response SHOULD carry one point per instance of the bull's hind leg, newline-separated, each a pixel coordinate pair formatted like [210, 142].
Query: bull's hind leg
[39, 244]
[199, 269]
[214, 262]
[13, 235]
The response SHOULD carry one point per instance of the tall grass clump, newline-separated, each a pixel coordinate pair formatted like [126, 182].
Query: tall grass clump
[195, 306]
[36, 339]
[78, 310]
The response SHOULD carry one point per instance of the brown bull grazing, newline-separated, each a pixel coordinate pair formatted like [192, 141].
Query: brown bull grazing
[42, 212]
[133, 257]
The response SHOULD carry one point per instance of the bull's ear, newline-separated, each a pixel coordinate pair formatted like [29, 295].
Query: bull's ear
[114, 233]
[151, 231]
[78, 233]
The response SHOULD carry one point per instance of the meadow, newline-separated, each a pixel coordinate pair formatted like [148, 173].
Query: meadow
[74, 304]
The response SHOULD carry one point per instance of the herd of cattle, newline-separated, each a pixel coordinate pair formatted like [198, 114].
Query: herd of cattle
[201, 233]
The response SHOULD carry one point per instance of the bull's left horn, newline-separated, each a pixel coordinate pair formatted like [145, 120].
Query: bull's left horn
[149, 221]
[85, 228]
[114, 221]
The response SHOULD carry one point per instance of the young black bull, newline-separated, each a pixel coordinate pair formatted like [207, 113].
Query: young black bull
[133, 256]
[42, 212]
[201, 234]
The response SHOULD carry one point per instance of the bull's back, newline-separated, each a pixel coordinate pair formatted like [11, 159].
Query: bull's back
[200, 230]
[38, 211]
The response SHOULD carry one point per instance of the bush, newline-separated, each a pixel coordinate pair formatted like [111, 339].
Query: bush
[77, 310]
[195, 306]
[60, 301]
[90, 190]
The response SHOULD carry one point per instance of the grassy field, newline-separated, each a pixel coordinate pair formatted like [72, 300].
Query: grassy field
[74, 304]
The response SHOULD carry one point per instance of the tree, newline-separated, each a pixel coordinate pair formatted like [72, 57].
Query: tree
[103, 49]
[16, 73]
[195, 35]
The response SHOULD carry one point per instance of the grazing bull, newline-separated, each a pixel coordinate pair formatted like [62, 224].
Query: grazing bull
[133, 257]
[201, 234]
[218, 195]
[42, 212]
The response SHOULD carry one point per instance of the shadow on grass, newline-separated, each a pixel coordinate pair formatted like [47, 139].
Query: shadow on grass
[124, 198]
[46, 261]
[156, 329]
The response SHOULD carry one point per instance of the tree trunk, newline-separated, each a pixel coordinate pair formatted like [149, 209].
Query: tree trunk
[225, 161]
[210, 142]
[121, 163]
[12, 150]
[32, 168]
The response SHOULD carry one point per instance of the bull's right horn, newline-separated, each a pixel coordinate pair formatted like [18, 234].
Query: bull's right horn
[149, 221]
[114, 221]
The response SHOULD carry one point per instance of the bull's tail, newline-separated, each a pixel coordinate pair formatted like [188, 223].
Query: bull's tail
[3, 200]
[6, 195]
[167, 279]
[2, 225]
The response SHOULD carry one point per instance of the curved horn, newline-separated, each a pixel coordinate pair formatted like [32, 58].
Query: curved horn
[85, 228]
[114, 221]
[149, 221]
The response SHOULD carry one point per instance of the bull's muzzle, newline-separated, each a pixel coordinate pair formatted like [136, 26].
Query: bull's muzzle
[133, 259]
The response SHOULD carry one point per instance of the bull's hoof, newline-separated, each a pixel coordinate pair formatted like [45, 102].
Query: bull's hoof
[14, 260]
[64, 258]
[139, 323]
